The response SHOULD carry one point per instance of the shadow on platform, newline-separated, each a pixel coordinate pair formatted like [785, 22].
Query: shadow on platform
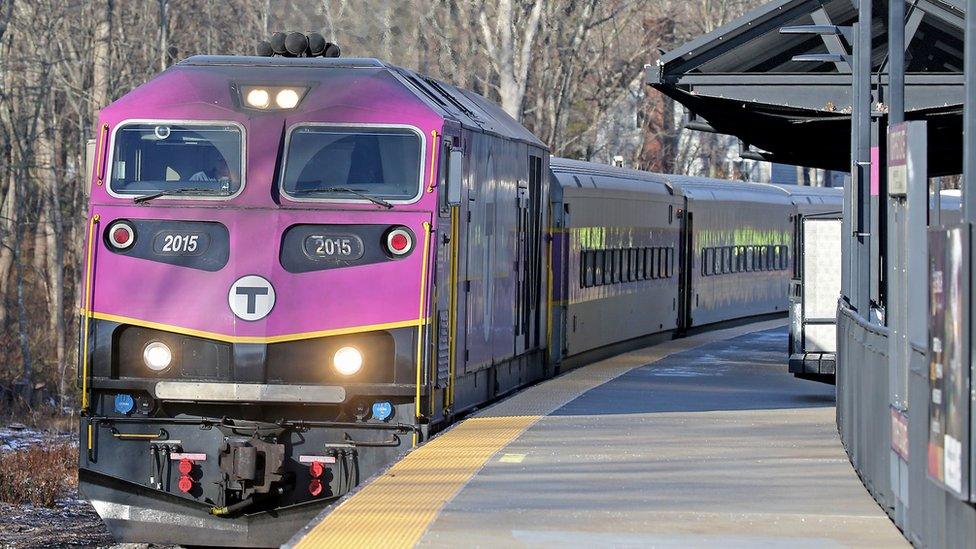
[745, 373]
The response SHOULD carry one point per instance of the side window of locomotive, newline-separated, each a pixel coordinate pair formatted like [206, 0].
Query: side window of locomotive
[607, 266]
[206, 159]
[326, 162]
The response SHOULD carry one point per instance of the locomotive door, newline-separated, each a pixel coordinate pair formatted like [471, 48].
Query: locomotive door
[529, 259]
[685, 265]
[521, 276]
[449, 278]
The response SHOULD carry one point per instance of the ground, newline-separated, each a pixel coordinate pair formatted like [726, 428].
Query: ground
[70, 523]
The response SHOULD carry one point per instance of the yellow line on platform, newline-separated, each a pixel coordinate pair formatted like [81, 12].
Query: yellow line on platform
[397, 507]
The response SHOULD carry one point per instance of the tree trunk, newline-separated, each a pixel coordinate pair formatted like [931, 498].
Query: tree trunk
[163, 34]
[8, 220]
[101, 59]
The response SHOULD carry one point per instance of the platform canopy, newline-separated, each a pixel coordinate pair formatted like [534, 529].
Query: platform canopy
[747, 79]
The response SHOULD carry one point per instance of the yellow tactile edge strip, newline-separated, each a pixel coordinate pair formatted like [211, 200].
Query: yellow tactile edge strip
[396, 508]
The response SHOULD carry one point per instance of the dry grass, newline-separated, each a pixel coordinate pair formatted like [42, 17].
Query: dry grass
[38, 475]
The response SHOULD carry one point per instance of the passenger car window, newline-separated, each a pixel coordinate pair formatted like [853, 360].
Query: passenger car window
[598, 268]
[327, 162]
[154, 157]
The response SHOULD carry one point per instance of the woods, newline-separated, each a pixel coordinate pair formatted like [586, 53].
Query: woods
[571, 70]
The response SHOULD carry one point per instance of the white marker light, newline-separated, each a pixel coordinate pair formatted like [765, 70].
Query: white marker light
[287, 98]
[258, 98]
[347, 361]
[157, 356]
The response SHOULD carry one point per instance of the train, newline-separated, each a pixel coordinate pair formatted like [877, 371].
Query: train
[298, 268]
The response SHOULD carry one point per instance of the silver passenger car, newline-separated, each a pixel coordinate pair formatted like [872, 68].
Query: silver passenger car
[639, 254]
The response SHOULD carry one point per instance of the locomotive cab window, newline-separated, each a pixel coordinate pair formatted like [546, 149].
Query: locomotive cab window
[194, 159]
[341, 163]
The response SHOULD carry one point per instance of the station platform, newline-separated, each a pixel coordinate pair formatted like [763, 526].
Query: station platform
[701, 441]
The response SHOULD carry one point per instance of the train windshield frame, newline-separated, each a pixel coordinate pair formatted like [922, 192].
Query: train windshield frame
[342, 163]
[153, 156]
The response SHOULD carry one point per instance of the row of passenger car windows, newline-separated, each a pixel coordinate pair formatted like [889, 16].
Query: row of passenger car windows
[604, 267]
[743, 259]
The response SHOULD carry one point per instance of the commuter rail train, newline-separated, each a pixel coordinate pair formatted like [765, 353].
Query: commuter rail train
[298, 268]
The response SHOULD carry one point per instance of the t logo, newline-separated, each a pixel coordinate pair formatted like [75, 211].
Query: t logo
[251, 297]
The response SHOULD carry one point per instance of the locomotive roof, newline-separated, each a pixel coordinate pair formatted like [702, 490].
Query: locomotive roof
[467, 108]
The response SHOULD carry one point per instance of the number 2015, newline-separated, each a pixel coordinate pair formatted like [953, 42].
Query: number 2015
[179, 243]
[332, 247]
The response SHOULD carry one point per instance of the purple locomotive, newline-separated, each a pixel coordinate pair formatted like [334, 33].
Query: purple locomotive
[298, 268]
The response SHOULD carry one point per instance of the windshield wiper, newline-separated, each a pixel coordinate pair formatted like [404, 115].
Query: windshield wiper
[171, 192]
[357, 192]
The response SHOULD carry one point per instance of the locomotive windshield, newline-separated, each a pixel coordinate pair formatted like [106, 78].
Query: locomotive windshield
[163, 157]
[327, 162]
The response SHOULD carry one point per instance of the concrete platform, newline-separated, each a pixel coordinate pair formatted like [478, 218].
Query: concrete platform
[705, 441]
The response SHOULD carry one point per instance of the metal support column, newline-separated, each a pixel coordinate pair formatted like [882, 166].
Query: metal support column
[969, 117]
[969, 199]
[896, 61]
[860, 268]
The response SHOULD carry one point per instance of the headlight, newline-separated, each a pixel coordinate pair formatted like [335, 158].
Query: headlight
[258, 98]
[347, 360]
[157, 356]
[287, 98]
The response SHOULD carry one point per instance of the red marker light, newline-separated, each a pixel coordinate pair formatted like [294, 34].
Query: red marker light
[316, 469]
[399, 241]
[185, 484]
[315, 487]
[185, 467]
[121, 235]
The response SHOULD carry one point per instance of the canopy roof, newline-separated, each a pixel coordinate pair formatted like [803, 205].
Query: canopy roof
[742, 79]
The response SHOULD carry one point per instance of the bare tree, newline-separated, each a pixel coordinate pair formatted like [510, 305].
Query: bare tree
[509, 51]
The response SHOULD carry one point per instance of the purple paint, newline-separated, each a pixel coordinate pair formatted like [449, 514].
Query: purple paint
[307, 302]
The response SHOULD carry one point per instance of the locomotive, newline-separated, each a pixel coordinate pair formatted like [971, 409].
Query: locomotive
[297, 268]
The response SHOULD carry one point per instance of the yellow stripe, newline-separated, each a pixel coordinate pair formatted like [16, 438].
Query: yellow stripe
[100, 167]
[433, 160]
[90, 436]
[395, 509]
[136, 435]
[89, 265]
[421, 316]
[250, 339]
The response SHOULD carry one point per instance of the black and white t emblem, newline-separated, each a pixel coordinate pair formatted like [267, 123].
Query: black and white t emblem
[251, 298]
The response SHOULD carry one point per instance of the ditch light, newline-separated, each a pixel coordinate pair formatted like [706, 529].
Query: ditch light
[270, 98]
